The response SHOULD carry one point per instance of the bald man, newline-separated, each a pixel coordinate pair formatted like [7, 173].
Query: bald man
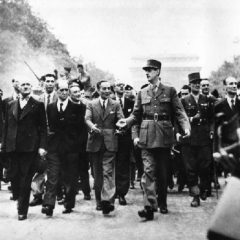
[24, 137]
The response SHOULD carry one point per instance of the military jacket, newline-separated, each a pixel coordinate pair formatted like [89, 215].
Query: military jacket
[201, 117]
[155, 114]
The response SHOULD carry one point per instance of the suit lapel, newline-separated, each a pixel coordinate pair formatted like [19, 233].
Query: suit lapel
[29, 106]
[149, 91]
[98, 108]
[108, 109]
[15, 109]
[160, 90]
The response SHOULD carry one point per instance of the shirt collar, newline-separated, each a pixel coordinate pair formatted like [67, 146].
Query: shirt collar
[101, 101]
[230, 99]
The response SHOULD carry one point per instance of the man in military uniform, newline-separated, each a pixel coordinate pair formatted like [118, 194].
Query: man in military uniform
[156, 108]
[197, 149]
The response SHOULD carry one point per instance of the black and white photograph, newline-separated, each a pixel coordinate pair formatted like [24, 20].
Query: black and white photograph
[119, 119]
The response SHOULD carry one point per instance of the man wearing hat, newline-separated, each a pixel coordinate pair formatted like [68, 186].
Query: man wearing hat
[156, 108]
[196, 150]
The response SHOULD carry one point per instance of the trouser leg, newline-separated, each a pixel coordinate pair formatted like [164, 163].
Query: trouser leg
[53, 171]
[148, 179]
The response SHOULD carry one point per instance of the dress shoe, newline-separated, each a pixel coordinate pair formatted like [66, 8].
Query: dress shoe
[195, 202]
[67, 210]
[36, 201]
[146, 213]
[61, 201]
[163, 210]
[99, 207]
[203, 195]
[13, 198]
[122, 200]
[180, 188]
[87, 197]
[48, 210]
[22, 217]
[107, 207]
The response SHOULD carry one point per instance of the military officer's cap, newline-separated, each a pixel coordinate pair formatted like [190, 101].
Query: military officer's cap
[68, 69]
[119, 84]
[151, 63]
[193, 77]
[128, 87]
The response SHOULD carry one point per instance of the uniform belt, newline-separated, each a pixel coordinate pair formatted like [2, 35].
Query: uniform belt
[156, 117]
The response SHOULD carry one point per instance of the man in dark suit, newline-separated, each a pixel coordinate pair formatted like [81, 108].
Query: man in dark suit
[65, 121]
[24, 137]
[197, 150]
[47, 97]
[228, 106]
[125, 146]
[156, 108]
[75, 97]
[101, 117]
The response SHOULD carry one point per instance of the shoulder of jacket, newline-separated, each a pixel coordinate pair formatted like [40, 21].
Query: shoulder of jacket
[220, 102]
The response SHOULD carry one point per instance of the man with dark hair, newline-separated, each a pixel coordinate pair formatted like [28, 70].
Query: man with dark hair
[24, 136]
[156, 108]
[125, 146]
[65, 122]
[101, 117]
[47, 97]
[75, 97]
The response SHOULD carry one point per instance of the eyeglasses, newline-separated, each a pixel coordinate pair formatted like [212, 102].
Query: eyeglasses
[63, 89]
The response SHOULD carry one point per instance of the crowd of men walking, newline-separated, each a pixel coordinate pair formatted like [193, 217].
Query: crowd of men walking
[49, 140]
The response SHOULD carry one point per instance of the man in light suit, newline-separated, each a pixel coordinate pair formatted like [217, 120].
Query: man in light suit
[101, 117]
[156, 108]
[47, 97]
[24, 136]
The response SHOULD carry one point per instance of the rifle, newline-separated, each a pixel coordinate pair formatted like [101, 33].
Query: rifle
[32, 70]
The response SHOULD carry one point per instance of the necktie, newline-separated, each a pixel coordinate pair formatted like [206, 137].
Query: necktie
[48, 99]
[121, 103]
[232, 104]
[154, 89]
[61, 107]
[103, 106]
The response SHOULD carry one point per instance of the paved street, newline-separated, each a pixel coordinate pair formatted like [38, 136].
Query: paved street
[182, 222]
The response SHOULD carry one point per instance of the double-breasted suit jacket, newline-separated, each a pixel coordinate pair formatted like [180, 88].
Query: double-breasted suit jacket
[106, 121]
[25, 132]
[163, 107]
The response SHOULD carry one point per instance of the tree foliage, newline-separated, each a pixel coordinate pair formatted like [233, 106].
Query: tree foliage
[226, 69]
[24, 36]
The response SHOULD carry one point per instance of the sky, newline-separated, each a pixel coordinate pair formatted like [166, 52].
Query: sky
[112, 32]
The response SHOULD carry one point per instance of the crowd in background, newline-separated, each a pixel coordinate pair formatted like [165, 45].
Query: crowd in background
[53, 136]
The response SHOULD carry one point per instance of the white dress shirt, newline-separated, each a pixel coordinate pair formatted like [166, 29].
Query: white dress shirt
[118, 100]
[230, 101]
[65, 103]
[23, 101]
[101, 101]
